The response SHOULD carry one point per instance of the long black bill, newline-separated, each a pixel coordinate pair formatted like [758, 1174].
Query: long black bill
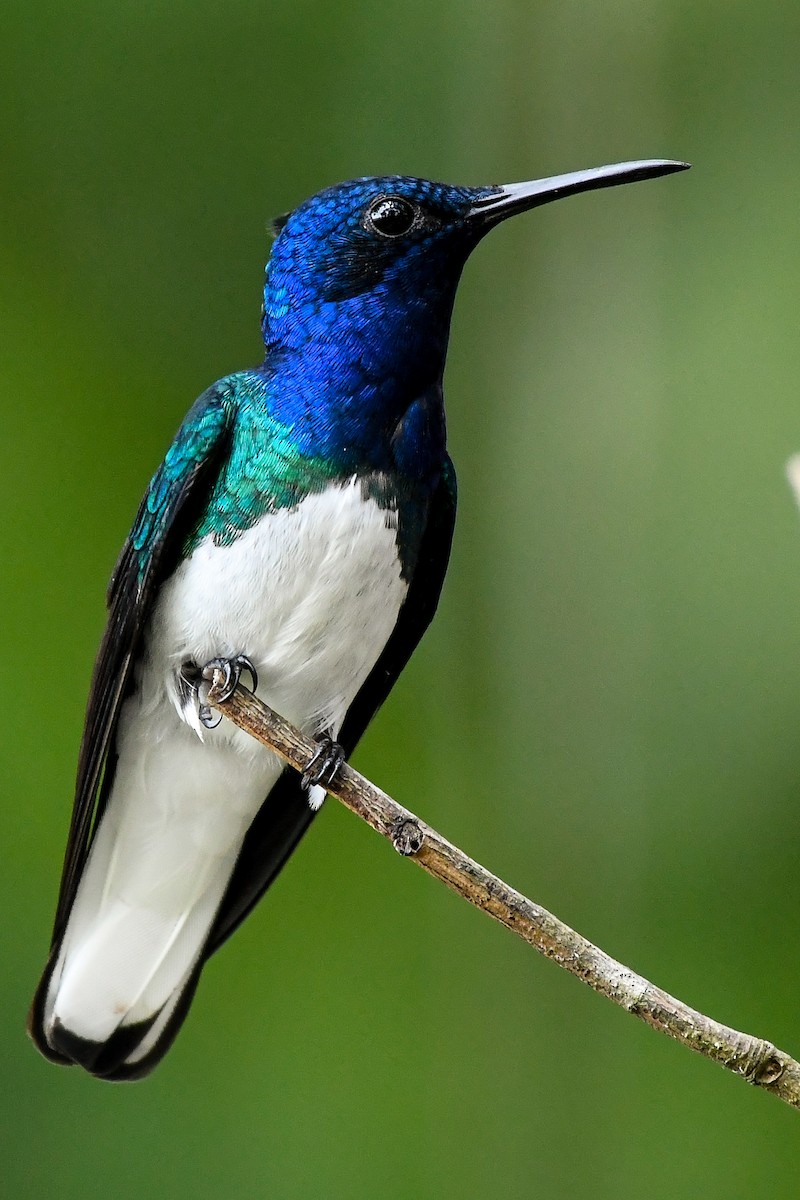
[518, 197]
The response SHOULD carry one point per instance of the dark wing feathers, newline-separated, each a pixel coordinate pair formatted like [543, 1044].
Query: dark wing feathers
[285, 815]
[171, 506]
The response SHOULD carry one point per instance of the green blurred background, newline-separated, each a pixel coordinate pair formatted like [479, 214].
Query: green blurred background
[605, 711]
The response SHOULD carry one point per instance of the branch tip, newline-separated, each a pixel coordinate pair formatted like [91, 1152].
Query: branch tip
[751, 1058]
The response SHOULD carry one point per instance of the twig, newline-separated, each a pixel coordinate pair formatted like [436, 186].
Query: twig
[757, 1061]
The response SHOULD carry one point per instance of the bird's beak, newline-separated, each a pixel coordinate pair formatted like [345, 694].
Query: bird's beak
[514, 198]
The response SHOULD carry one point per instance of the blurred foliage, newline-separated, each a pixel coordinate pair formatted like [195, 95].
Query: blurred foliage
[605, 711]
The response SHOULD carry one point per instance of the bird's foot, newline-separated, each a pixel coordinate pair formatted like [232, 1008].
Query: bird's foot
[323, 764]
[232, 670]
[197, 682]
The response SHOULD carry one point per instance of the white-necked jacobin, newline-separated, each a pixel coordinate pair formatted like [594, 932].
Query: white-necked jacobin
[298, 530]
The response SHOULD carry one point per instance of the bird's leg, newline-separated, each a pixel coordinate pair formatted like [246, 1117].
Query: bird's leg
[323, 764]
[194, 682]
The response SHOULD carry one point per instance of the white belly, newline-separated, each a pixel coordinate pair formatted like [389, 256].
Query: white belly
[311, 596]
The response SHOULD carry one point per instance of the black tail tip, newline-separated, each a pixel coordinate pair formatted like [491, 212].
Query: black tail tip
[105, 1060]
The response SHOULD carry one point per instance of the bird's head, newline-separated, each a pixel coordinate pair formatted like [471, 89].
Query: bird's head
[371, 266]
[387, 235]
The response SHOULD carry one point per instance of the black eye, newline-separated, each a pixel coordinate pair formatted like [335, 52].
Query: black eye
[391, 216]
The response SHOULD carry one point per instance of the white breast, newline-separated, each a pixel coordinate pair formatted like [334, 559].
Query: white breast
[311, 596]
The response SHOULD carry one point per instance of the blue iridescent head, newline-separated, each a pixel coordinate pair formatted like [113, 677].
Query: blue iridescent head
[367, 270]
[373, 263]
[372, 237]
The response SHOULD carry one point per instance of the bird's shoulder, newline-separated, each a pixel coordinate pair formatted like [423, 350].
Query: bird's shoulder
[250, 464]
[267, 466]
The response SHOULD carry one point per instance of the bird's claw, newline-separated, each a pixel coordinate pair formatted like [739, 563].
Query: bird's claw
[208, 716]
[323, 764]
[197, 683]
[232, 670]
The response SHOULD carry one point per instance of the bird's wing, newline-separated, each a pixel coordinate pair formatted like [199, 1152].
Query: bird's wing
[177, 494]
[285, 814]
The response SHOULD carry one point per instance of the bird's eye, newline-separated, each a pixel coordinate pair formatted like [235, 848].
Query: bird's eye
[391, 216]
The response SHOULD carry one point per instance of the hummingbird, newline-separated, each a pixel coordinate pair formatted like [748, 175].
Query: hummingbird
[296, 534]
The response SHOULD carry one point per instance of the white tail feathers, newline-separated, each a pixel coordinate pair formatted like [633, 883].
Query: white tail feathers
[156, 875]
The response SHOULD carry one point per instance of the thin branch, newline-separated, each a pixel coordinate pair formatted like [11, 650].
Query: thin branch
[757, 1061]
